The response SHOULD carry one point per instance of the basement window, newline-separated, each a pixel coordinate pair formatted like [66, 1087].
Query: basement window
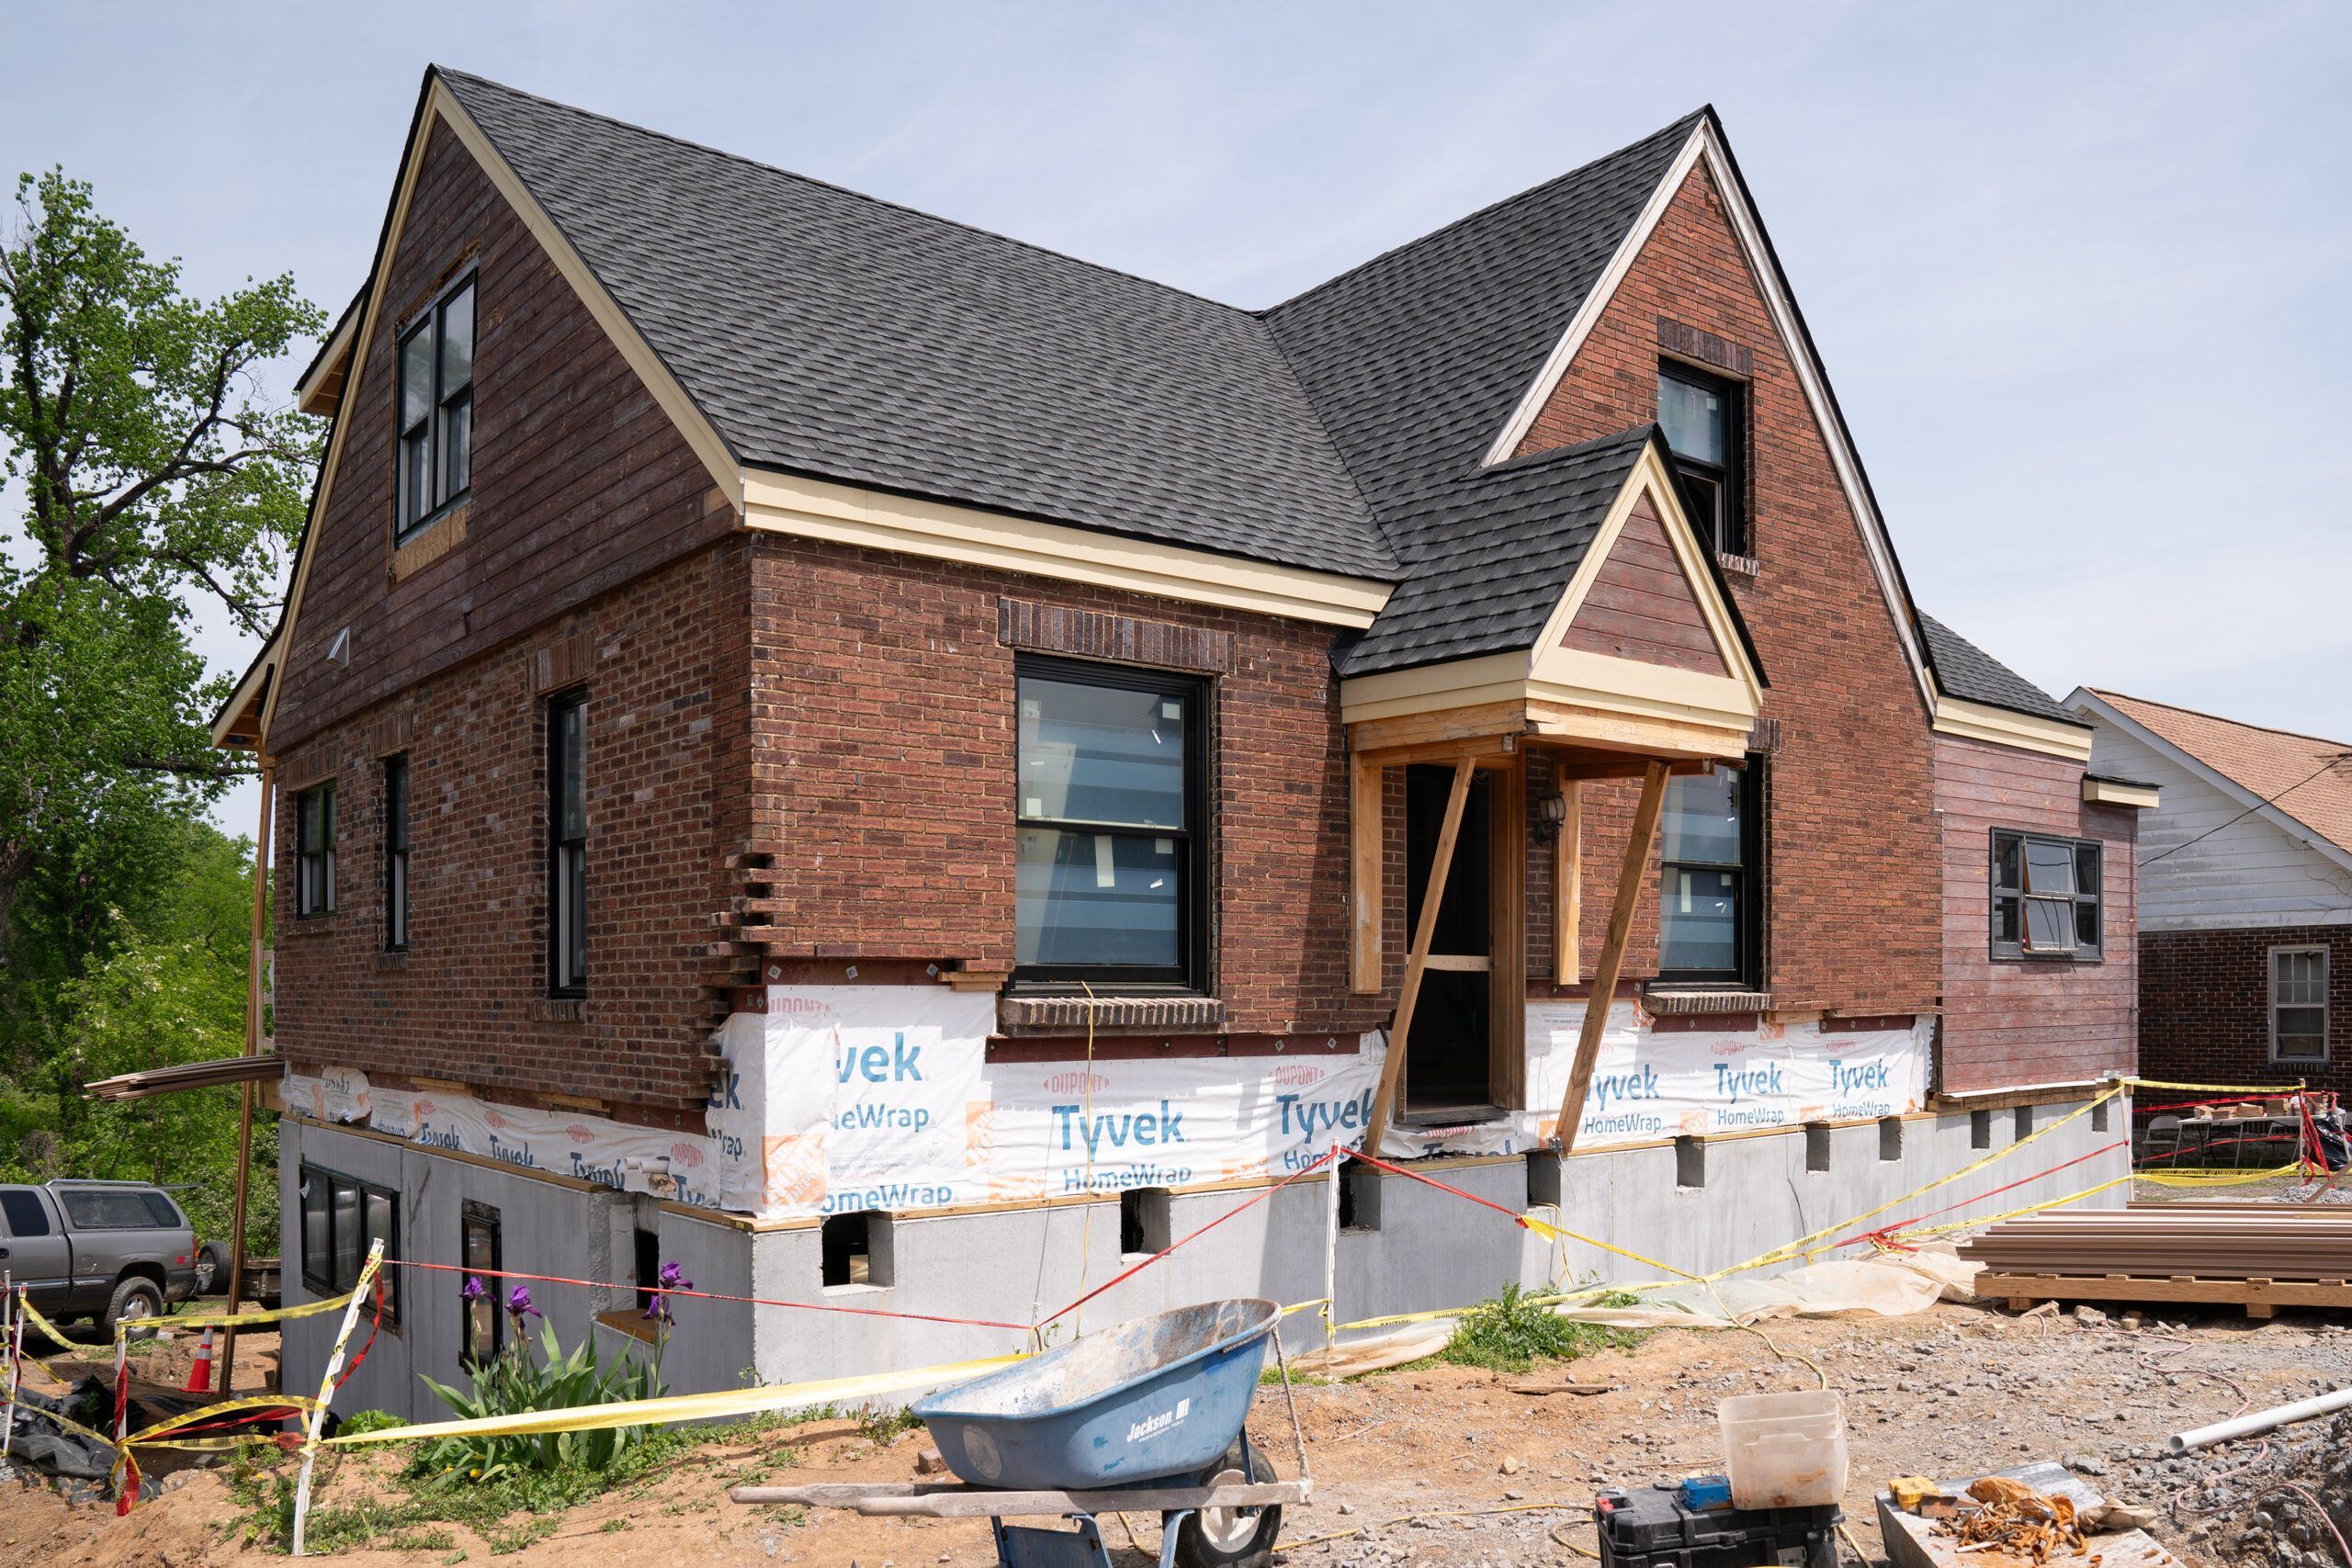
[342, 1218]
[315, 850]
[482, 1319]
[436, 408]
[1690, 1163]
[2299, 1004]
[1144, 1221]
[1890, 1138]
[857, 1248]
[2046, 897]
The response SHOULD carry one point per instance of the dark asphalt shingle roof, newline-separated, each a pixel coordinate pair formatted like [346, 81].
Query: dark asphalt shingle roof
[828, 333]
[1970, 674]
[1494, 550]
[831, 335]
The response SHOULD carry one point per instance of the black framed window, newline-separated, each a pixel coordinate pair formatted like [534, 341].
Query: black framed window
[1710, 919]
[1705, 420]
[436, 407]
[396, 854]
[315, 850]
[482, 1331]
[568, 844]
[1111, 844]
[342, 1217]
[2298, 1004]
[2046, 897]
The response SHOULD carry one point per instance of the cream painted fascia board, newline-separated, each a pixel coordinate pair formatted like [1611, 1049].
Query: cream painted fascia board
[822, 509]
[725, 472]
[254, 675]
[2115, 791]
[329, 358]
[1649, 478]
[1704, 146]
[2087, 703]
[2000, 727]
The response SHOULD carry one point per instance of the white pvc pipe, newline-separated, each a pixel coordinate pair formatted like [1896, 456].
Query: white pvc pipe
[2260, 1421]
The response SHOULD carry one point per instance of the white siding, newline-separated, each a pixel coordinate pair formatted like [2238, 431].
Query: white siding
[2248, 873]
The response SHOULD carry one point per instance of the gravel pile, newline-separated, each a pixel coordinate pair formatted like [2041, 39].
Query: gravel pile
[2235, 1507]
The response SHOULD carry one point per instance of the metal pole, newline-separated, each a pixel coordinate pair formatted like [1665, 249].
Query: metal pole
[1331, 1253]
[245, 1108]
[11, 1334]
[326, 1389]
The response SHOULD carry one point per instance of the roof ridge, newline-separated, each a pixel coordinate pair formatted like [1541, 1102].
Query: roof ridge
[2221, 719]
[867, 197]
[1498, 204]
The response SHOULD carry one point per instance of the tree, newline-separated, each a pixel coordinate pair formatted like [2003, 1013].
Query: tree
[151, 476]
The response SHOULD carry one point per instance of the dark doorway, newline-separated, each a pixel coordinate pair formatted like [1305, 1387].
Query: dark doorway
[1447, 1060]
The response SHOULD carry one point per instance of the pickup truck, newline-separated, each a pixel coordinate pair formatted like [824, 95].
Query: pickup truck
[103, 1249]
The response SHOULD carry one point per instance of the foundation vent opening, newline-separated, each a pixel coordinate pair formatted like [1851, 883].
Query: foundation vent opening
[857, 1248]
[1144, 1226]
[1690, 1163]
[1359, 1197]
[1816, 1146]
[1890, 1138]
[2024, 1121]
[1980, 1129]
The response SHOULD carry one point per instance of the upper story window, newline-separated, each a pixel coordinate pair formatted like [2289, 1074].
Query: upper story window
[1705, 420]
[1111, 847]
[2046, 897]
[2299, 1004]
[315, 850]
[396, 854]
[1710, 919]
[568, 844]
[436, 408]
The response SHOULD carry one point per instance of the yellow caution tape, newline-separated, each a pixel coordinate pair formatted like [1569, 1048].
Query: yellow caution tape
[687, 1406]
[1547, 1229]
[2219, 1088]
[242, 1319]
[204, 1416]
[2216, 1178]
[32, 1315]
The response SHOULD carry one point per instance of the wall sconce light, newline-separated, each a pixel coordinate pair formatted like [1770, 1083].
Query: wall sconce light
[1550, 811]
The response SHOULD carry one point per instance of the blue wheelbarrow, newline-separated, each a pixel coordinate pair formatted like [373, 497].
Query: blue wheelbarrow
[1149, 1416]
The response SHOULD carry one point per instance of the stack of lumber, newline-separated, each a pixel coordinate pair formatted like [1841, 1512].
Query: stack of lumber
[2288, 1258]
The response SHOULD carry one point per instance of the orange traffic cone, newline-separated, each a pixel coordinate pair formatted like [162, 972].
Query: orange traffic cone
[199, 1376]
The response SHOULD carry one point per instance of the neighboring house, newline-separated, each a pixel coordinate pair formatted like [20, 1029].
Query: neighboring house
[2246, 893]
[830, 746]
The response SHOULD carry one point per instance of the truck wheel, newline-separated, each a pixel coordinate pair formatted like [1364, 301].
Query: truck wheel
[135, 1295]
[211, 1268]
[1231, 1537]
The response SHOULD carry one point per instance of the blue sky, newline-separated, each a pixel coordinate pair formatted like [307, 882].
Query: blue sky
[2076, 270]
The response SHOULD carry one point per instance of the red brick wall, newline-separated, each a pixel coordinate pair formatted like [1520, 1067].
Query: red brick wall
[662, 664]
[2205, 1007]
[2014, 1021]
[580, 483]
[884, 712]
[1854, 891]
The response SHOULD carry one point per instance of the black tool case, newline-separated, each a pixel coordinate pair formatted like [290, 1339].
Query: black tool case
[1652, 1527]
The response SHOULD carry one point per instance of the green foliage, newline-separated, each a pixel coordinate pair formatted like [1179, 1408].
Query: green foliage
[360, 1421]
[514, 1381]
[1510, 1333]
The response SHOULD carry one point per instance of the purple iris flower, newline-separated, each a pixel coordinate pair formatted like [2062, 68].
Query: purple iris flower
[473, 1290]
[673, 1277]
[518, 1301]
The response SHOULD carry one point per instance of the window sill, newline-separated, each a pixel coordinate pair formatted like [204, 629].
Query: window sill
[557, 1009]
[309, 925]
[1670, 998]
[392, 959]
[1738, 566]
[1061, 1014]
[432, 539]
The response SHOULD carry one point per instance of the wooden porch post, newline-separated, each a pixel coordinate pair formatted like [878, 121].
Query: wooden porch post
[1424, 932]
[1630, 878]
[246, 1089]
[1366, 776]
[1567, 887]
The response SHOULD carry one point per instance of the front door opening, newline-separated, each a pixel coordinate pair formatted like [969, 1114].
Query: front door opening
[1448, 1061]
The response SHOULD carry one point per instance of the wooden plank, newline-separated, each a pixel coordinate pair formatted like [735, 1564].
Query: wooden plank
[1440, 862]
[1631, 876]
[1461, 962]
[1366, 820]
[1567, 887]
[1650, 737]
[1487, 750]
[2177, 1288]
[901, 1499]
[1445, 724]
[1568, 767]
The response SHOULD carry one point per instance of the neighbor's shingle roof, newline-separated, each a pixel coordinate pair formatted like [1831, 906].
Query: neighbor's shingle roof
[2304, 776]
[832, 335]
[1967, 671]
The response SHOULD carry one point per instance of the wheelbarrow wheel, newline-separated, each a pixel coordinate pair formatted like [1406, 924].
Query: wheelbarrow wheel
[1231, 1537]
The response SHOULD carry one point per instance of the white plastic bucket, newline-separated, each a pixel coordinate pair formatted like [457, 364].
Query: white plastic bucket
[1784, 1451]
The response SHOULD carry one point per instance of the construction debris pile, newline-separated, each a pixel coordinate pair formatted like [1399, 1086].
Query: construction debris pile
[2018, 1520]
[2285, 1499]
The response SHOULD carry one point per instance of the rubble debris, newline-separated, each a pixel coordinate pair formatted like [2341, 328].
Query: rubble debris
[2018, 1521]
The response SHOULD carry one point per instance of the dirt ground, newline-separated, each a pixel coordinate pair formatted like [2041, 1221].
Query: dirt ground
[1410, 1465]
